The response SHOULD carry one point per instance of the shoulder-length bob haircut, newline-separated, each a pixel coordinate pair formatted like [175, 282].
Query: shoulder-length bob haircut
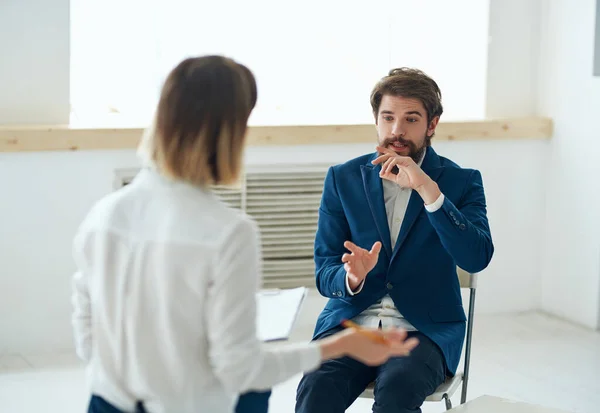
[199, 129]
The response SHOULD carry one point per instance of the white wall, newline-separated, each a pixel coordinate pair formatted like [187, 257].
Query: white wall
[34, 51]
[571, 96]
[45, 195]
[513, 58]
[35, 222]
[354, 50]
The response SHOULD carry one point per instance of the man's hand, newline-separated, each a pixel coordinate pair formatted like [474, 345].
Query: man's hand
[359, 263]
[409, 175]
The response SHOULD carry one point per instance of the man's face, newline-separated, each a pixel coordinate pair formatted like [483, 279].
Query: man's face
[402, 126]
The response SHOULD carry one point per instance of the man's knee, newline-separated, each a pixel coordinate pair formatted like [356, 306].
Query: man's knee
[402, 392]
[319, 384]
[319, 391]
[334, 386]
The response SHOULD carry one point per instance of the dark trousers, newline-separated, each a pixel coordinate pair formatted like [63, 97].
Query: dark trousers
[253, 402]
[99, 405]
[401, 384]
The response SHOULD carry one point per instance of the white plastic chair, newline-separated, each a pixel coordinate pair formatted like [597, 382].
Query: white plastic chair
[447, 389]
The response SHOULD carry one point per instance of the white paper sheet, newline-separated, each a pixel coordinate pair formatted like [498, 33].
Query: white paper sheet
[277, 312]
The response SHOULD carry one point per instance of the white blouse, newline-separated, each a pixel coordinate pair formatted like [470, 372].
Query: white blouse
[164, 301]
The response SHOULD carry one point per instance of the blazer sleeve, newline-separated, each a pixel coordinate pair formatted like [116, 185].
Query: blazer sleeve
[332, 231]
[464, 231]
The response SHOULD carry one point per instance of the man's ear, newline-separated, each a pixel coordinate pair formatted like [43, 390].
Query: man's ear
[432, 125]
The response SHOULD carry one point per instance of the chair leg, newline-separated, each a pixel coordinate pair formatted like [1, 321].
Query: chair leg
[448, 402]
[465, 383]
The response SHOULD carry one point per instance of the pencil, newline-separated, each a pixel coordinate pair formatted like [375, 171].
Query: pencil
[375, 337]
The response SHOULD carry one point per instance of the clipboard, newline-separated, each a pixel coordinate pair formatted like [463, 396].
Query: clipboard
[277, 311]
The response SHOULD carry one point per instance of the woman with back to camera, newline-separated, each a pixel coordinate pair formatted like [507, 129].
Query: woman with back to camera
[164, 293]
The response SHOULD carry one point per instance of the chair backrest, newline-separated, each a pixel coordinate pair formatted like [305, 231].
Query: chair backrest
[467, 280]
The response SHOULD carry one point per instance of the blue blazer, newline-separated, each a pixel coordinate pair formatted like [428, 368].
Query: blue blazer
[419, 274]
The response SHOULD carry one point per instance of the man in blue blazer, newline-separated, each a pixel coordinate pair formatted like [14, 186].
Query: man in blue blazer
[393, 227]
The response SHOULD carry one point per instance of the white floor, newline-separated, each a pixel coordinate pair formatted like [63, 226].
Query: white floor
[527, 357]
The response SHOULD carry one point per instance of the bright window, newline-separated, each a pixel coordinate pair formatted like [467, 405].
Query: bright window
[315, 61]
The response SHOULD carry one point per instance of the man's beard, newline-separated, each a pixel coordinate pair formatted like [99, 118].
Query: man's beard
[416, 153]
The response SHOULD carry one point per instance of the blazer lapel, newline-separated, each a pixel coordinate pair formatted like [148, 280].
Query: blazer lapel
[374, 192]
[431, 166]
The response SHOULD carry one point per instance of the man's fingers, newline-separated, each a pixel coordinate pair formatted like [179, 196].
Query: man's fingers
[404, 160]
[385, 164]
[352, 247]
[346, 257]
[381, 159]
[347, 267]
[383, 173]
[390, 165]
[383, 150]
[376, 248]
[386, 153]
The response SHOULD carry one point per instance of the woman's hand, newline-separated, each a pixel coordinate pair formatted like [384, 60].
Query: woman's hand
[366, 348]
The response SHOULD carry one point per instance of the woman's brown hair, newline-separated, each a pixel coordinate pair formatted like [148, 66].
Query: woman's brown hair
[201, 120]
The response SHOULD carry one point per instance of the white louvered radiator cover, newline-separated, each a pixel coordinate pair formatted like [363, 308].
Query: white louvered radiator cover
[284, 201]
